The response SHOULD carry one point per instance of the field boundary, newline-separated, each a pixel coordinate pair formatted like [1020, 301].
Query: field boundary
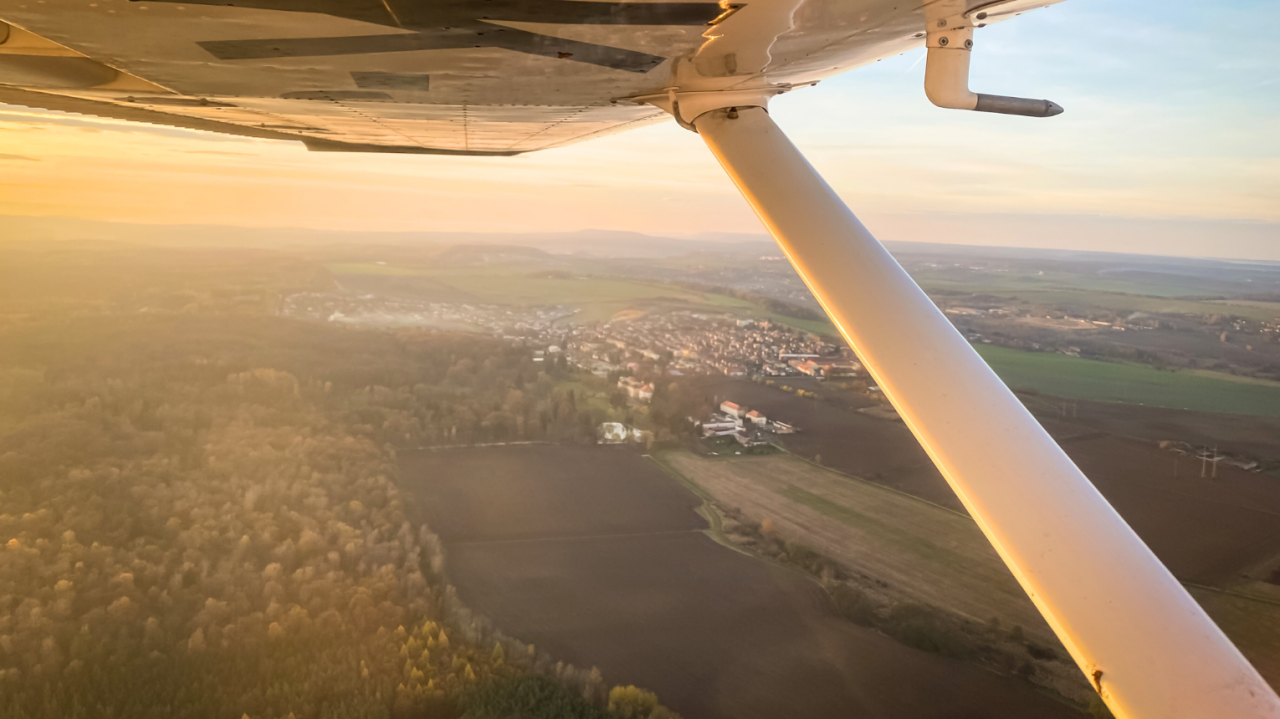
[1185, 584]
[433, 448]
[1051, 692]
[706, 510]
[1233, 593]
[567, 538]
[716, 532]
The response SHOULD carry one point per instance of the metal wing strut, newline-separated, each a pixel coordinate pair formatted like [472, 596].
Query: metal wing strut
[1143, 642]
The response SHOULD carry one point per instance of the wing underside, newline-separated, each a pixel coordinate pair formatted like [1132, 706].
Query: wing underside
[497, 77]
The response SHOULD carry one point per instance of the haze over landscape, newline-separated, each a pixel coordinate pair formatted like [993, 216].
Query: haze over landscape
[301, 435]
[626, 530]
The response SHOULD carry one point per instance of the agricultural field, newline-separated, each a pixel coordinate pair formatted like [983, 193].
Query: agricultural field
[929, 554]
[480, 495]
[1251, 617]
[1204, 530]
[1107, 283]
[1073, 377]
[1252, 436]
[925, 553]
[596, 555]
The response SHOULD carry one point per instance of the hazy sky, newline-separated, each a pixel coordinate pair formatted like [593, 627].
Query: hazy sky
[1170, 144]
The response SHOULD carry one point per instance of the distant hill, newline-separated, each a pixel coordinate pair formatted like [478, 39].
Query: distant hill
[1061, 232]
[460, 255]
[593, 243]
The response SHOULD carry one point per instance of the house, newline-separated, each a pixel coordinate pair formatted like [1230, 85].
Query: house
[756, 418]
[636, 389]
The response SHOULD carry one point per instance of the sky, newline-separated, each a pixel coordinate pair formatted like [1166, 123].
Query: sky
[1169, 145]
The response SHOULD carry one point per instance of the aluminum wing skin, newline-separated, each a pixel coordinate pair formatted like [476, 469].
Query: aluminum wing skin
[452, 76]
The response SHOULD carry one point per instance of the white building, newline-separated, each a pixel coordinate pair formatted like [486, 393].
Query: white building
[618, 433]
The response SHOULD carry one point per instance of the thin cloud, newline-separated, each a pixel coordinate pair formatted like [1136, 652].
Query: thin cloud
[7, 156]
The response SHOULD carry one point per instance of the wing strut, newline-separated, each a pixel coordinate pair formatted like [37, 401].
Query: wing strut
[1142, 641]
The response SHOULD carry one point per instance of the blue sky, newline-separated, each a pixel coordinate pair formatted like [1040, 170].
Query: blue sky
[1169, 144]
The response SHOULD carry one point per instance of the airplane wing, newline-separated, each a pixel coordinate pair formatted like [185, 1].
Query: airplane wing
[484, 77]
[502, 77]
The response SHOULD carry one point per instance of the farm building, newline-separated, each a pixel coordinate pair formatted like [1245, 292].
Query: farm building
[751, 438]
[754, 417]
[720, 424]
[809, 367]
[732, 408]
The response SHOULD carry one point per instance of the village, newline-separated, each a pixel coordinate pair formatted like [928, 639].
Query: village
[692, 343]
[673, 343]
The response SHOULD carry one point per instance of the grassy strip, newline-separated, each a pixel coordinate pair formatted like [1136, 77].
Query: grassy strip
[921, 547]
[874, 485]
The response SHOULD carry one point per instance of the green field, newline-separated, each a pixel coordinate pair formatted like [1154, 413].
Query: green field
[1078, 378]
[1081, 300]
[1018, 282]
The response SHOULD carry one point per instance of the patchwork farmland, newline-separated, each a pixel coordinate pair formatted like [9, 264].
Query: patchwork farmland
[1206, 531]
[598, 556]
[926, 553]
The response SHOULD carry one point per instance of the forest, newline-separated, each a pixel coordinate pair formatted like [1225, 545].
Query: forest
[199, 514]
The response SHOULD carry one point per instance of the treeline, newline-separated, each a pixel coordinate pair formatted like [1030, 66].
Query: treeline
[200, 519]
[412, 388]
